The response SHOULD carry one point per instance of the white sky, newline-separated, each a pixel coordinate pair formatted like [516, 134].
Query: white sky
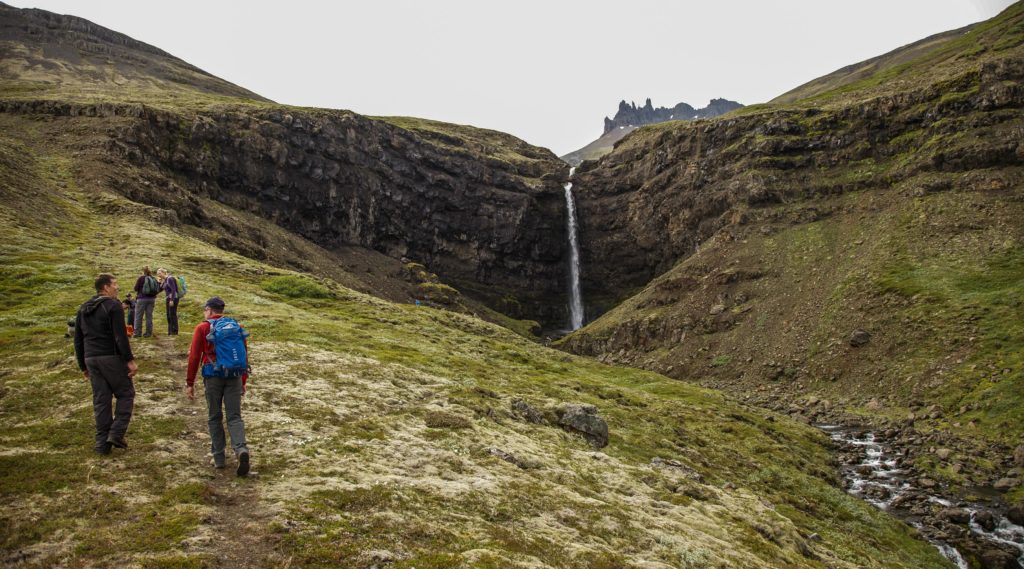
[546, 71]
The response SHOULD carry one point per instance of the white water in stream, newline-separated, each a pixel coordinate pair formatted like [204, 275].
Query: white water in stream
[575, 298]
[885, 473]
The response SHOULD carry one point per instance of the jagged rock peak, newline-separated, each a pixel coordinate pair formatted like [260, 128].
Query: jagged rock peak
[629, 115]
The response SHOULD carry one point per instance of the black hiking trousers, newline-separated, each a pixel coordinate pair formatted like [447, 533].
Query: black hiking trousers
[109, 377]
[172, 317]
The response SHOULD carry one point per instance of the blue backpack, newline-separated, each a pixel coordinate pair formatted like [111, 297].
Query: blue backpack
[228, 338]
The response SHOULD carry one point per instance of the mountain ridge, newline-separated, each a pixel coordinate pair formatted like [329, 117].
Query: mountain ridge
[629, 117]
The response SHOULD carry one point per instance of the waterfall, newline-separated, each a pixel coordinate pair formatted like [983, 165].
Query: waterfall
[575, 298]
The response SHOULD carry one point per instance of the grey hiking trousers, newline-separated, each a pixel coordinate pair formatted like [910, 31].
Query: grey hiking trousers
[109, 378]
[227, 393]
[144, 310]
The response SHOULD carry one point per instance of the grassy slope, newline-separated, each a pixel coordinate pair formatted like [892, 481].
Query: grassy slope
[595, 150]
[941, 56]
[937, 279]
[371, 424]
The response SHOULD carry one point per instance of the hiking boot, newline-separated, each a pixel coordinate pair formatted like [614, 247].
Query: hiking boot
[243, 463]
[219, 465]
[118, 442]
[103, 448]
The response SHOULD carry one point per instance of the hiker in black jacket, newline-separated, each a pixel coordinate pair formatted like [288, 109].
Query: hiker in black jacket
[105, 357]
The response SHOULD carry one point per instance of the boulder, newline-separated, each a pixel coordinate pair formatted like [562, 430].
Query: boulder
[926, 483]
[1016, 514]
[583, 419]
[997, 557]
[1004, 484]
[527, 412]
[986, 519]
[859, 337]
[955, 515]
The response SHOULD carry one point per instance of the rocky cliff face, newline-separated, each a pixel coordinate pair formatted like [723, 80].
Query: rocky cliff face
[491, 227]
[482, 209]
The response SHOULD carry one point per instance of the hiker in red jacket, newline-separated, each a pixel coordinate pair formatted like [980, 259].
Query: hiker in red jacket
[224, 386]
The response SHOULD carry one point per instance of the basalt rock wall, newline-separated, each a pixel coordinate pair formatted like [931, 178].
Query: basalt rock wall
[488, 219]
[492, 228]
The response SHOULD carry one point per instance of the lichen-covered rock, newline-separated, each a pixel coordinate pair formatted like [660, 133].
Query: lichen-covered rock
[583, 419]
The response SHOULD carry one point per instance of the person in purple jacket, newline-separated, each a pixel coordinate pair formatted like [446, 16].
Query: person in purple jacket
[146, 289]
[169, 285]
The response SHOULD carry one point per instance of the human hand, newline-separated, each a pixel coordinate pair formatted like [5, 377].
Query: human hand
[86, 374]
[133, 368]
[190, 391]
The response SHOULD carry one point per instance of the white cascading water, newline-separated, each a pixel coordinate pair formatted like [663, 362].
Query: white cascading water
[575, 298]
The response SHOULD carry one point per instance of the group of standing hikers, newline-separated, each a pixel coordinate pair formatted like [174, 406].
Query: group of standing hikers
[219, 350]
[147, 288]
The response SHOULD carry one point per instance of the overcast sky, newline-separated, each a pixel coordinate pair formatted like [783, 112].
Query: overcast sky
[547, 71]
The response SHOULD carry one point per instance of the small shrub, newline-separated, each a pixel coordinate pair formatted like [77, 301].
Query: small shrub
[720, 361]
[442, 420]
[294, 286]
[437, 292]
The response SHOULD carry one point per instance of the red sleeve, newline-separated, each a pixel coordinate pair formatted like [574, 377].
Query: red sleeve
[196, 351]
[245, 376]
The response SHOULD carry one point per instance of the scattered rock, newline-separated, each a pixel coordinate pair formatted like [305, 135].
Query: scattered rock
[379, 557]
[926, 483]
[859, 337]
[997, 557]
[943, 453]
[717, 309]
[676, 467]
[583, 419]
[1004, 484]
[955, 515]
[527, 412]
[525, 464]
[1018, 455]
[986, 520]
[1016, 514]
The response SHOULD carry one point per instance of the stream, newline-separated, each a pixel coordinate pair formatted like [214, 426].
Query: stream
[871, 470]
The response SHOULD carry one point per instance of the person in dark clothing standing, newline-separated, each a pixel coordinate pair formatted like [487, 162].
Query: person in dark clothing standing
[169, 285]
[146, 289]
[223, 390]
[105, 357]
[129, 306]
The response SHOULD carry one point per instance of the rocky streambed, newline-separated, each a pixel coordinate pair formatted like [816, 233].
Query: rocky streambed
[877, 470]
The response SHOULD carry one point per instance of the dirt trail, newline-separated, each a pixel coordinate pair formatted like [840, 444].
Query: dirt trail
[236, 534]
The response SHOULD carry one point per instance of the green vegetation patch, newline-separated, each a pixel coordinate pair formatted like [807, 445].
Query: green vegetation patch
[296, 286]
